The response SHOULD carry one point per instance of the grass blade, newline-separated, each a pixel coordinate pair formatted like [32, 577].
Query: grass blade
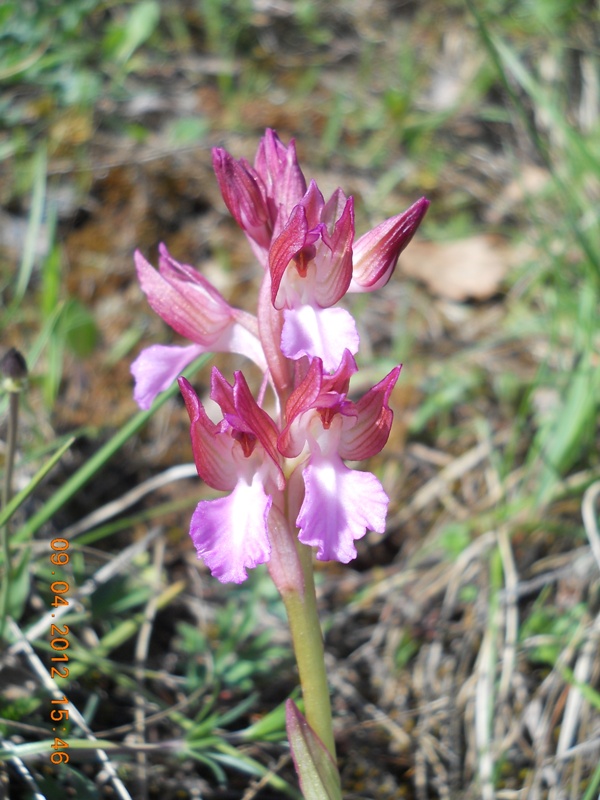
[20, 498]
[35, 223]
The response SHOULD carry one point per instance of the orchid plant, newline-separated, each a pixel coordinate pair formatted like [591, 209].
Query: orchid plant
[280, 457]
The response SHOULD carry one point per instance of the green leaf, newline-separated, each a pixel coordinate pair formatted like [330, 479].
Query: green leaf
[38, 199]
[590, 694]
[55, 785]
[51, 277]
[319, 778]
[594, 783]
[562, 441]
[20, 581]
[79, 329]
[269, 728]
[138, 28]
[187, 130]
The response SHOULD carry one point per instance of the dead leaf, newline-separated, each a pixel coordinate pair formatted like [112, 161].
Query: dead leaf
[463, 269]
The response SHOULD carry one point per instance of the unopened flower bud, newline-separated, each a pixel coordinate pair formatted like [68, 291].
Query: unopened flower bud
[14, 371]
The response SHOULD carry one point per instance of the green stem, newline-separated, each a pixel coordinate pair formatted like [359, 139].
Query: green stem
[310, 655]
[11, 447]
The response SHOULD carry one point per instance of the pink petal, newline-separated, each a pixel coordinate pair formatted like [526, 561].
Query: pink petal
[270, 324]
[313, 203]
[184, 299]
[212, 447]
[339, 506]
[334, 208]
[282, 177]
[231, 533]
[372, 428]
[334, 261]
[292, 185]
[270, 159]
[221, 391]
[196, 310]
[316, 391]
[238, 339]
[257, 421]
[305, 394]
[339, 381]
[293, 437]
[376, 253]
[241, 413]
[156, 368]
[322, 257]
[319, 332]
[289, 242]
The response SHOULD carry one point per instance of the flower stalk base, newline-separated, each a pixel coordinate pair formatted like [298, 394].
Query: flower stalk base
[310, 655]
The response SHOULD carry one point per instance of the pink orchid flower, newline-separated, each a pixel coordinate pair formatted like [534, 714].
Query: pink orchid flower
[311, 268]
[195, 309]
[239, 455]
[339, 504]
[313, 263]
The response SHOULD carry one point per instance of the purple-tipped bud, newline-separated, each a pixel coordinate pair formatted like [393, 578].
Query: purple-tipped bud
[261, 197]
[243, 195]
[278, 168]
[376, 253]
